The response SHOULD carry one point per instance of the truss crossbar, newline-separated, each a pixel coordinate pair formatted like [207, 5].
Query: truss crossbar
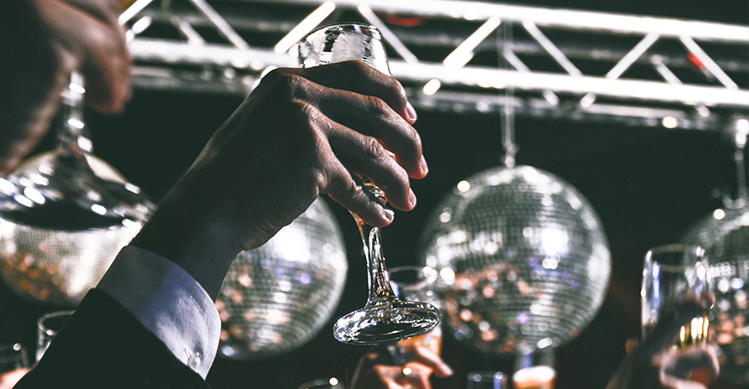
[636, 97]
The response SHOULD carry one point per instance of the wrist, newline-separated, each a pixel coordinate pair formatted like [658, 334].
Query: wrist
[199, 239]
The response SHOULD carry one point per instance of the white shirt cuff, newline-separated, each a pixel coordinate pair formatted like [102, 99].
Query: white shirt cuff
[169, 302]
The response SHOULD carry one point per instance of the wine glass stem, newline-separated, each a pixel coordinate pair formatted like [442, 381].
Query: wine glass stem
[73, 132]
[379, 285]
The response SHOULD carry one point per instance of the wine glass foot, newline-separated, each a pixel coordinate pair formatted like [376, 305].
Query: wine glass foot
[386, 321]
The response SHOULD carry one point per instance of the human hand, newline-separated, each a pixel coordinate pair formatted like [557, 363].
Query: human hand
[658, 363]
[693, 367]
[299, 134]
[9, 379]
[87, 37]
[68, 35]
[376, 370]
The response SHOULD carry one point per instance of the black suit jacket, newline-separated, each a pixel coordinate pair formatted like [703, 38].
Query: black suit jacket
[104, 346]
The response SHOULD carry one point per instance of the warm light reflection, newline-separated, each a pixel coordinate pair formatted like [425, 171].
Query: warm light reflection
[719, 214]
[464, 52]
[304, 27]
[76, 123]
[464, 186]
[141, 25]
[670, 122]
[432, 86]
[448, 275]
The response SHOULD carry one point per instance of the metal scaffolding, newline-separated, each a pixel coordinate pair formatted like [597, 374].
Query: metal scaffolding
[451, 56]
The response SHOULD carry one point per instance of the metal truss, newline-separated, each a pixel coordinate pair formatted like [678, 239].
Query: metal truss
[456, 56]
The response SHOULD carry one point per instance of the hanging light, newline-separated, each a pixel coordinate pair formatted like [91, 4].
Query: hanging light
[277, 297]
[522, 256]
[725, 236]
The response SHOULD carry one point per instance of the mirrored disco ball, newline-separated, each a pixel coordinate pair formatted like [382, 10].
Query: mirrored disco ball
[63, 219]
[277, 297]
[522, 259]
[725, 237]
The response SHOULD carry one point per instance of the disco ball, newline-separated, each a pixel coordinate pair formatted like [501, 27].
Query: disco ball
[725, 237]
[64, 216]
[522, 258]
[277, 297]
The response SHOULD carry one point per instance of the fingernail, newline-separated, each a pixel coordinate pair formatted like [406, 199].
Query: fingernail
[389, 214]
[411, 198]
[447, 370]
[410, 111]
[423, 166]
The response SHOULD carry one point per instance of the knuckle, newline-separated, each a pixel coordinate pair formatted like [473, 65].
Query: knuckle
[374, 151]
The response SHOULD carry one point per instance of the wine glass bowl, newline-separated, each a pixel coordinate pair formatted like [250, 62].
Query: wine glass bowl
[384, 318]
[65, 214]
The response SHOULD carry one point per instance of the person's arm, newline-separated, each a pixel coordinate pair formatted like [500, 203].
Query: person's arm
[301, 133]
[377, 369]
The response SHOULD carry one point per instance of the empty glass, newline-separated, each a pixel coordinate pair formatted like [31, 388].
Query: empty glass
[673, 274]
[47, 327]
[384, 318]
[534, 368]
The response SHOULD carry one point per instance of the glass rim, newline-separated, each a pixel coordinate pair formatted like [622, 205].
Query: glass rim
[670, 251]
[348, 26]
[51, 315]
[420, 278]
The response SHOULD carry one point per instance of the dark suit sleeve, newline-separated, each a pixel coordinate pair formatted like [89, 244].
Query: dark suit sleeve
[103, 346]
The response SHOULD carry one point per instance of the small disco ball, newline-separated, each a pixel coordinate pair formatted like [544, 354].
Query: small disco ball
[277, 297]
[522, 258]
[725, 237]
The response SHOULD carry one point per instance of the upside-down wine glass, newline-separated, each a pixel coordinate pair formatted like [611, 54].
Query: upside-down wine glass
[384, 318]
[65, 214]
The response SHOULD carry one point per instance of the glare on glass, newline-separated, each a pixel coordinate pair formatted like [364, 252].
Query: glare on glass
[417, 283]
[384, 318]
[12, 357]
[47, 328]
[486, 380]
[673, 274]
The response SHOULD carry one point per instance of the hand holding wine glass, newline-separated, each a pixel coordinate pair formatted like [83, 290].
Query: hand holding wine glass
[50, 39]
[385, 317]
[300, 133]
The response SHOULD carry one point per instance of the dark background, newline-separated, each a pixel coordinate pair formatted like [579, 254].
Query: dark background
[648, 185]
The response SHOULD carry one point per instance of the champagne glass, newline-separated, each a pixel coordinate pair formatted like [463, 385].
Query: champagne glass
[47, 328]
[65, 214]
[384, 318]
[673, 274]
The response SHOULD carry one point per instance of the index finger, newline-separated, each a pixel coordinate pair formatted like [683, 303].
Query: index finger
[358, 77]
[427, 357]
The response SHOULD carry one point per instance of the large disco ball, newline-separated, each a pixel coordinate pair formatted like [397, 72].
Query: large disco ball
[522, 257]
[64, 216]
[725, 237]
[277, 297]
